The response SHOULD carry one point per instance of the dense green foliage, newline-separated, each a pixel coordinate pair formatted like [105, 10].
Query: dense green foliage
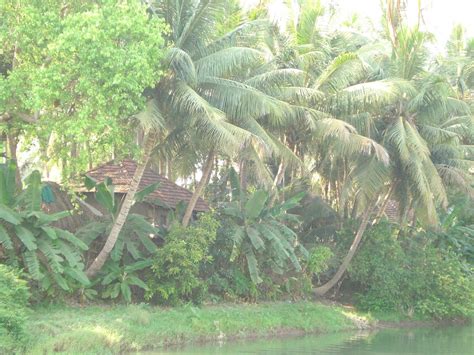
[406, 273]
[50, 255]
[14, 297]
[175, 270]
[305, 134]
[260, 231]
[131, 253]
[75, 90]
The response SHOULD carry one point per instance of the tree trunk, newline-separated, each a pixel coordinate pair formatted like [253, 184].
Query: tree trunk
[278, 178]
[322, 290]
[206, 174]
[100, 260]
[243, 174]
[12, 152]
[385, 203]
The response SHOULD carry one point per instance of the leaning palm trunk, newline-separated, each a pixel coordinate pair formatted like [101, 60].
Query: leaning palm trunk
[277, 180]
[385, 203]
[206, 174]
[322, 290]
[100, 260]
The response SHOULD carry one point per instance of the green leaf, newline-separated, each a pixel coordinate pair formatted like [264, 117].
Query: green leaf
[133, 250]
[44, 218]
[7, 182]
[105, 196]
[290, 203]
[32, 193]
[126, 292]
[117, 250]
[5, 239]
[148, 243]
[61, 281]
[235, 185]
[254, 237]
[71, 238]
[255, 204]
[52, 254]
[140, 195]
[26, 237]
[233, 209]
[32, 264]
[139, 265]
[50, 232]
[110, 277]
[89, 182]
[9, 215]
[114, 290]
[77, 275]
[133, 280]
[253, 267]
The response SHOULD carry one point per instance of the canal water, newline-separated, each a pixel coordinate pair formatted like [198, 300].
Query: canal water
[453, 340]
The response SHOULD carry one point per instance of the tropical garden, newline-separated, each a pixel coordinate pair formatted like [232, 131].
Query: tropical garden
[337, 159]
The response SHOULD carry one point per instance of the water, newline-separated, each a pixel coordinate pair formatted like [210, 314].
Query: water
[446, 340]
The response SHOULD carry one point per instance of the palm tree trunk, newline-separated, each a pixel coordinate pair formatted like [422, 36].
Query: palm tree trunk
[278, 178]
[100, 260]
[12, 138]
[322, 290]
[243, 174]
[206, 174]
[385, 203]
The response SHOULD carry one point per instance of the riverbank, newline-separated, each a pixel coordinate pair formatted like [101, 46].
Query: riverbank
[99, 329]
[112, 329]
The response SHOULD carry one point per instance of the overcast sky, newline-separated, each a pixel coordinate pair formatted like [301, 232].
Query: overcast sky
[439, 16]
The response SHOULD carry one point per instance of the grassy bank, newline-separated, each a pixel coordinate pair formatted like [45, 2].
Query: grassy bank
[104, 330]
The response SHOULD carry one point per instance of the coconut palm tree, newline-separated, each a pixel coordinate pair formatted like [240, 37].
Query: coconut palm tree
[199, 96]
[412, 128]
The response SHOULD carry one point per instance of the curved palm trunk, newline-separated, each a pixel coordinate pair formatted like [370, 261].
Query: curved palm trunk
[385, 203]
[206, 174]
[322, 290]
[100, 260]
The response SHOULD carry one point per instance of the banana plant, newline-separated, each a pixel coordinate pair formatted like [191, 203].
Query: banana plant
[261, 233]
[134, 245]
[50, 255]
[119, 279]
[134, 239]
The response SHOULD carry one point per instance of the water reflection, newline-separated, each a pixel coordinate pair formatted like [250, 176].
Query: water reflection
[446, 341]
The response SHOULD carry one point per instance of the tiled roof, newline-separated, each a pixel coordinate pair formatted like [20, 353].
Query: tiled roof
[122, 172]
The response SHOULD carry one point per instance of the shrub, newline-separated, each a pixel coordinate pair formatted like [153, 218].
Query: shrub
[175, 269]
[408, 274]
[318, 260]
[14, 296]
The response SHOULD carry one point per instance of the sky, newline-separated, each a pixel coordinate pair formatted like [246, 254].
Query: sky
[438, 16]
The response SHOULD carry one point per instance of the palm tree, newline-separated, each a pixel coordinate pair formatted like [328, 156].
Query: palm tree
[412, 128]
[199, 96]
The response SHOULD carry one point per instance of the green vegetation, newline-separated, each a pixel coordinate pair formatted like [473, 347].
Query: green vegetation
[14, 296]
[105, 330]
[398, 272]
[175, 270]
[51, 256]
[337, 161]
